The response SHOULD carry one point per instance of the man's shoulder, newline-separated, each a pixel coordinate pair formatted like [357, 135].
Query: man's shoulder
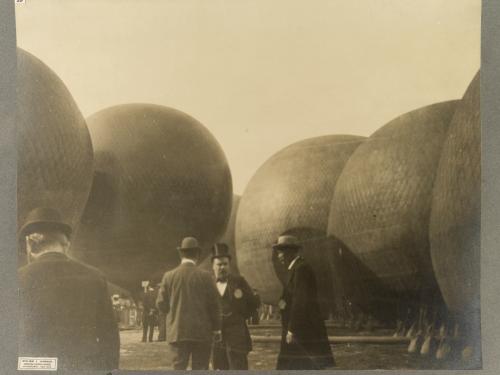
[72, 268]
[86, 268]
[204, 273]
[237, 279]
[168, 274]
[179, 271]
[302, 267]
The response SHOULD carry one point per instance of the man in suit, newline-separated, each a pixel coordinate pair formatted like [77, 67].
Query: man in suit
[149, 315]
[65, 308]
[238, 302]
[304, 341]
[190, 299]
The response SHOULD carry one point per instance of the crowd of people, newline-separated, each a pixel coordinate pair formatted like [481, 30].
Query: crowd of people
[66, 313]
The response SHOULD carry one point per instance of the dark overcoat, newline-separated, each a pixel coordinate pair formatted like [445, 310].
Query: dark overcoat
[301, 315]
[190, 299]
[238, 303]
[66, 312]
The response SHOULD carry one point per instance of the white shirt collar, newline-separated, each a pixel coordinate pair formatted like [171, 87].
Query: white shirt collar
[221, 287]
[186, 260]
[293, 262]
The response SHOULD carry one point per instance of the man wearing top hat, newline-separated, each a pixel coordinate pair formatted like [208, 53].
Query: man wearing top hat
[65, 309]
[189, 298]
[238, 302]
[304, 341]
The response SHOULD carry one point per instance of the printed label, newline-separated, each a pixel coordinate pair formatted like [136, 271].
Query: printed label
[37, 363]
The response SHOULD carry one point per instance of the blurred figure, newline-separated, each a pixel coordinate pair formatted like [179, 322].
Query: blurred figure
[65, 309]
[304, 341]
[255, 317]
[115, 300]
[149, 315]
[238, 303]
[190, 299]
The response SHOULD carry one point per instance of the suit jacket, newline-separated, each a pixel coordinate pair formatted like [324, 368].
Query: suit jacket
[238, 303]
[189, 297]
[301, 315]
[66, 312]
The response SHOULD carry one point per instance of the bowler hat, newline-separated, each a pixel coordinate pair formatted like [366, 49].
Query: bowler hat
[189, 243]
[220, 250]
[287, 242]
[44, 218]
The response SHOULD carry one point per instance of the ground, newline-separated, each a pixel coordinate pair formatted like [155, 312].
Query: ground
[136, 355]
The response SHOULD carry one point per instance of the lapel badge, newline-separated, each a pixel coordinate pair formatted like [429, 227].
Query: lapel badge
[282, 304]
[238, 293]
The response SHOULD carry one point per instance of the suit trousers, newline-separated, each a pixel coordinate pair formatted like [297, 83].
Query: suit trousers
[226, 358]
[148, 325]
[199, 352]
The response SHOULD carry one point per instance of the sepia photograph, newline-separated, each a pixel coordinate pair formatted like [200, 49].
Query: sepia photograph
[248, 185]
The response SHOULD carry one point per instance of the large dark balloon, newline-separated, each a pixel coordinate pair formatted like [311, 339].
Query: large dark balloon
[291, 193]
[381, 208]
[54, 165]
[456, 210]
[160, 176]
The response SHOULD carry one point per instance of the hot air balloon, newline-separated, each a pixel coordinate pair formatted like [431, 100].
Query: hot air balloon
[54, 163]
[455, 224]
[159, 176]
[291, 194]
[381, 209]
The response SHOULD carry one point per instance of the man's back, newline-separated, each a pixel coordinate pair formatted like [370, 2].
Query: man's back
[66, 313]
[189, 296]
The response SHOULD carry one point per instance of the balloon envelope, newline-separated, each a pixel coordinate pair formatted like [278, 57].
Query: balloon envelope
[159, 176]
[381, 207]
[54, 164]
[291, 193]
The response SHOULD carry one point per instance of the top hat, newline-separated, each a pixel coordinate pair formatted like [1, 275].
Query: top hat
[220, 250]
[189, 243]
[287, 242]
[44, 218]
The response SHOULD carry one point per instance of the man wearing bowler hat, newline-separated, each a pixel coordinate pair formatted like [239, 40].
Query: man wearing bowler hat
[189, 298]
[304, 341]
[238, 302]
[65, 309]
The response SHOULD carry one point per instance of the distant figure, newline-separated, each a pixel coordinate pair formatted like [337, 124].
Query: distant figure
[255, 317]
[115, 300]
[304, 341]
[65, 309]
[238, 303]
[149, 315]
[190, 299]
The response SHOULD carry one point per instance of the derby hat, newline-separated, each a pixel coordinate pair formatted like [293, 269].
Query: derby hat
[189, 243]
[220, 250]
[43, 219]
[287, 242]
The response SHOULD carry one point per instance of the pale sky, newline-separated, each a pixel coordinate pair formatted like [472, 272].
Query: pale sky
[259, 74]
